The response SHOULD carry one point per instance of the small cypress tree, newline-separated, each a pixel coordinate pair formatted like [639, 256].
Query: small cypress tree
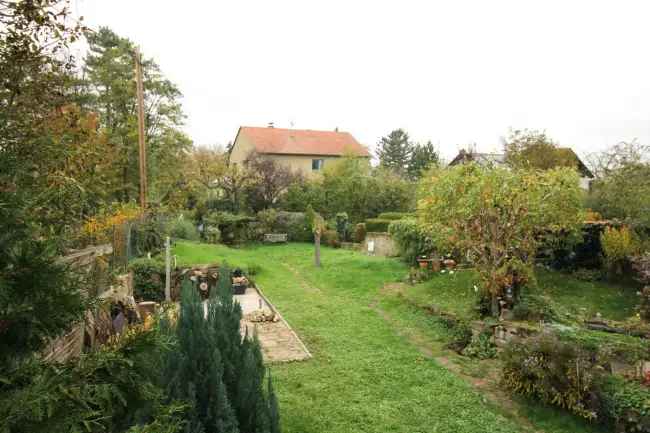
[273, 408]
[242, 357]
[194, 372]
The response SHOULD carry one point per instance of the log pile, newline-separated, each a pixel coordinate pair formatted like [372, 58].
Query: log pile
[259, 316]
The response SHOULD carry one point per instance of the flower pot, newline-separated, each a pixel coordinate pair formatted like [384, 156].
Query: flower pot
[423, 263]
[449, 263]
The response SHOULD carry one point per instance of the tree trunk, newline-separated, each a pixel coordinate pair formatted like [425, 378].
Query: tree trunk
[494, 305]
[317, 249]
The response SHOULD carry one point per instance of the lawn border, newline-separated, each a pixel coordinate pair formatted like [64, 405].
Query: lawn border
[275, 310]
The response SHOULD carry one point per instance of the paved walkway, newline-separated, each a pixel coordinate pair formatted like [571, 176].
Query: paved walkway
[279, 342]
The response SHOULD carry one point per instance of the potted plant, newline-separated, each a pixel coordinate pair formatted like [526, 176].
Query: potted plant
[423, 261]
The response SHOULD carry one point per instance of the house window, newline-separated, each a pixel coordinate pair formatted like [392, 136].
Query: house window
[317, 164]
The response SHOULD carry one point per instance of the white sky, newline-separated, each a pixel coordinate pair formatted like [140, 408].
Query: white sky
[455, 72]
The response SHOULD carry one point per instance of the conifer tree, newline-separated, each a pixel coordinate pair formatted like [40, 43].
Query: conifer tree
[394, 151]
[217, 370]
[194, 371]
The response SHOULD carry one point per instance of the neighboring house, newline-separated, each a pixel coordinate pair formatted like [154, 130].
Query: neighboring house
[499, 160]
[302, 150]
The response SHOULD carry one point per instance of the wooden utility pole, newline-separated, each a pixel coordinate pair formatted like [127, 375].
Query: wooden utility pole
[141, 137]
[168, 270]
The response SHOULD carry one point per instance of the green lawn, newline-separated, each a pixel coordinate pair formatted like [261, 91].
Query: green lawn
[455, 293]
[373, 368]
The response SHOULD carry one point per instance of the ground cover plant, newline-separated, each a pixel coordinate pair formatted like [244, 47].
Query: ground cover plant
[354, 383]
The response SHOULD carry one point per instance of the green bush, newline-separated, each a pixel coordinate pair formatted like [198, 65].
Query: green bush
[481, 346]
[624, 404]
[395, 215]
[360, 232]
[535, 307]
[148, 237]
[377, 225]
[233, 228]
[182, 228]
[342, 226]
[296, 225]
[411, 240]
[331, 238]
[460, 336]
[148, 279]
[553, 371]
[618, 246]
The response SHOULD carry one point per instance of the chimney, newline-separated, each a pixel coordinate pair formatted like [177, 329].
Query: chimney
[270, 124]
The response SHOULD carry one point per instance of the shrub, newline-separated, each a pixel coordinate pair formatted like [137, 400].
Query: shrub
[148, 279]
[233, 228]
[536, 307]
[331, 238]
[481, 346]
[148, 236]
[182, 228]
[395, 215]
[641, 265]
[360, 232]
[268, 220]
[296, 225]
[411, 240]
[377, 225]
[553, 371]
[460, 336]
[342, 225]
[624, 404]
[618, 246]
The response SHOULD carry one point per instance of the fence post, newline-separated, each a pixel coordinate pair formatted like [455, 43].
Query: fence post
[168, 270]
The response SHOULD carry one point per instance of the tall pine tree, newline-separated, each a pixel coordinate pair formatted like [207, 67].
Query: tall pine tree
[424, 156]
[394, 151]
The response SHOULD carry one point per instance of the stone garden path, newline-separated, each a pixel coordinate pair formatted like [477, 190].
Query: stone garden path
[279, 342]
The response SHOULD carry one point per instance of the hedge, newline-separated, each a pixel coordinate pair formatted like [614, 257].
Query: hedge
[377, 225]
[395, 215]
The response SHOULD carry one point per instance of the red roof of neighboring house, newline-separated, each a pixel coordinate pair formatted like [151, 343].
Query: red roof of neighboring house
[302, 141]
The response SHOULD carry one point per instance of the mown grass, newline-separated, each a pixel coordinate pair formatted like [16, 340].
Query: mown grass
[455, 293]
[366, 375]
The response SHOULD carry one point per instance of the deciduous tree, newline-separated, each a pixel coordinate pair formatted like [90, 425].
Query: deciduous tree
[527, 149]
[498, 217]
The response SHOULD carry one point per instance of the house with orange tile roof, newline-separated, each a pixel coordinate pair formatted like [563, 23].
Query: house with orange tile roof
[303, 150]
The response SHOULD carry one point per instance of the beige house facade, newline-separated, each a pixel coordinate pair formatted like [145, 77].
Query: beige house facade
[306, 151]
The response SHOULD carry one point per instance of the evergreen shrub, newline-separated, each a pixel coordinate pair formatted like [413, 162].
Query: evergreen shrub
[220, 374]
[377, 225]
[148, 279]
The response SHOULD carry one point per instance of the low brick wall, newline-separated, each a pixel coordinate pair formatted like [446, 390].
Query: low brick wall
[380, 244]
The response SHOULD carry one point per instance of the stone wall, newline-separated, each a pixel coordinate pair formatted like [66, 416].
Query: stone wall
[380, 244]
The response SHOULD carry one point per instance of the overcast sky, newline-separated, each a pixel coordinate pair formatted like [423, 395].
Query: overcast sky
[454, 72]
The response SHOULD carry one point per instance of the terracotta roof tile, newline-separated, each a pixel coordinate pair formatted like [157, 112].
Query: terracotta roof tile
[302, 141]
